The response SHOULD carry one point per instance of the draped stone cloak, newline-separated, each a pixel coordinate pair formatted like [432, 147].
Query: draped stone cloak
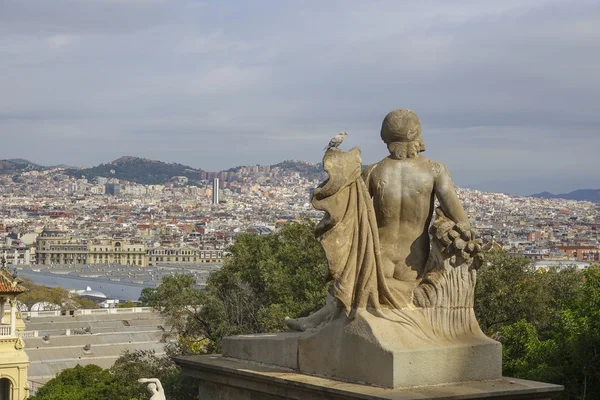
[348, 233]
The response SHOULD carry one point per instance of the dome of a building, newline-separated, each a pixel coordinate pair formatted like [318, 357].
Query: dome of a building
[45, 306]
[88, 292]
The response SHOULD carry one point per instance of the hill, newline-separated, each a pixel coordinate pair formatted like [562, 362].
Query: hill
[139, 170]
[16, 165]
[152, 172]
[592, 195]
[306, 169]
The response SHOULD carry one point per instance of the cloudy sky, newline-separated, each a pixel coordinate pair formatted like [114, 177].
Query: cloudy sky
[508, 91]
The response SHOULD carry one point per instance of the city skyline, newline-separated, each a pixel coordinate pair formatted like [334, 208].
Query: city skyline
[506, 92]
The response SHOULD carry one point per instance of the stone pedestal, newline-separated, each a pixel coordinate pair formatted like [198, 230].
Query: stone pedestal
[278, 349]
[233, 379]
[374, 351]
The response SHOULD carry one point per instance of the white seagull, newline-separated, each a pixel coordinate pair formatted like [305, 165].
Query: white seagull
[335, 141]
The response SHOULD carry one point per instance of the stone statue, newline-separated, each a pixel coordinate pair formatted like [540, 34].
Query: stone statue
[395, 291]
[154, 387]
[391, 210]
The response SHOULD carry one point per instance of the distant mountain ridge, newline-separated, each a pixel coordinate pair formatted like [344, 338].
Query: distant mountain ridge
[153, 172]
[306, 169]
[138, 170]
[592, 195]
[17, 165]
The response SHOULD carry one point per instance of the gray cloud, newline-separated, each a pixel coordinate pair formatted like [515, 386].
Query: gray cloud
[507, 91]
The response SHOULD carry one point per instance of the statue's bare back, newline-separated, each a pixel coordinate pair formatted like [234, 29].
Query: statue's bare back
[402, 192]
[404, 187]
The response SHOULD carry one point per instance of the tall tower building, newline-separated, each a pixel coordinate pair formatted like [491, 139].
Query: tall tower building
[215, 191]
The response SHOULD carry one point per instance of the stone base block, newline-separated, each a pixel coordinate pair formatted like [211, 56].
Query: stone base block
[374, 351]
[280, 349]
[229, 379]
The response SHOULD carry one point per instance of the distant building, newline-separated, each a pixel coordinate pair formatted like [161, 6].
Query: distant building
[21, 255]
[91, 294]
[116, 251]
[258, 230]
[57, 247]
[112, 189]
[215, 191]
[73, 188]
[183, 255]
[560, 264]
[15, 252]
[581, 253]
[14, 362]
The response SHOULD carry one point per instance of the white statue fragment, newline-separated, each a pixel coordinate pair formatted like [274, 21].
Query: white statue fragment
[154, 387]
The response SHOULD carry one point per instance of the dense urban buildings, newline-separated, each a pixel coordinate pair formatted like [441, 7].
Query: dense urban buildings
[50, 217]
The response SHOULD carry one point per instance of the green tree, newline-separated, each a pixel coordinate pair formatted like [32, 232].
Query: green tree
[51, 297]
[120, 382]
[510, 289]
[133, 365]
[266, 279]
[84, 383]
[576, 336]
[566, 350]
[147, 297]
[42, 294]
[81, 302]
[126, 304]
[179, 301]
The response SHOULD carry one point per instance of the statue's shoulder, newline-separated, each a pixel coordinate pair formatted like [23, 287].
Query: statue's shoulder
[368, 170]
[436, 167]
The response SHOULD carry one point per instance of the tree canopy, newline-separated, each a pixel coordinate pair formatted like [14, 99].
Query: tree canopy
[82, 383]
[509, 289]
[266, 279]
[120, 382]
[547, 320]
[51, 297]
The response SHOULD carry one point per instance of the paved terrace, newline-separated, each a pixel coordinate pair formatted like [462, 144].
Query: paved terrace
[55, 342]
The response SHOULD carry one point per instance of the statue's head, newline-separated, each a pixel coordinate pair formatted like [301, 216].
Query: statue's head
[401, 131]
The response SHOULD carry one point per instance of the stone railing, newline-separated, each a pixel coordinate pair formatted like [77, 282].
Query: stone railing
[93, 311]
[4, 330]
[27, 334]
[69, 332]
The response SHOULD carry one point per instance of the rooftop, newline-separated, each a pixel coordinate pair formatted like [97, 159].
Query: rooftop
[8, 284]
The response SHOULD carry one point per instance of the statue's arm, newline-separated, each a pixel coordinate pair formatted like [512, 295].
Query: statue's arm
[152, 380]
[446, 195]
